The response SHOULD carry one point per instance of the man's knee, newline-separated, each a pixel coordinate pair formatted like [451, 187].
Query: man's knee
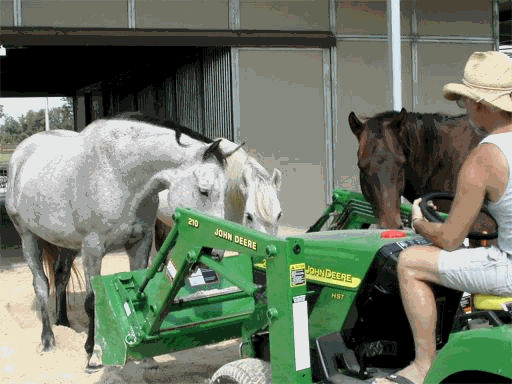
[405, 260]
[419, 261]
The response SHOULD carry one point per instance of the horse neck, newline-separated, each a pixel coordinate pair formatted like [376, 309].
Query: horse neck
[436, 168]
[140, 158]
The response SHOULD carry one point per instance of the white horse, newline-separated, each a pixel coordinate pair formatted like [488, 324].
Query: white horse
[97, 191]
[251, 199]
[252, 195]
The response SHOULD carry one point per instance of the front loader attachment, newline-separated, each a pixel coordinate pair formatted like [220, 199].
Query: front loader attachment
[109, 333]
[113, 325]
[190, 297]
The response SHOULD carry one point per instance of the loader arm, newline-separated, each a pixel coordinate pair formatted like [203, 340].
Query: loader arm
[159, 310]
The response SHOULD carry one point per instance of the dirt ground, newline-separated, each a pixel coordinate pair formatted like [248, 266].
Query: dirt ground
[21, 359]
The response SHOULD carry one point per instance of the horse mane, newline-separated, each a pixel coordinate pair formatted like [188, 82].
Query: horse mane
[420, 135]
[260, 171]
[263, 205]
[263, 188]
[163, 122]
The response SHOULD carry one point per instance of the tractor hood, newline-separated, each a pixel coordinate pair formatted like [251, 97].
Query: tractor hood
[342, 258]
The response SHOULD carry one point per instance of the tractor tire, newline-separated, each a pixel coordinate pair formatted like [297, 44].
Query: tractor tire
[245, 371]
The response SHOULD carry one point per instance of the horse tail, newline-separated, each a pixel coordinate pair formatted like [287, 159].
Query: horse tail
[50, 257]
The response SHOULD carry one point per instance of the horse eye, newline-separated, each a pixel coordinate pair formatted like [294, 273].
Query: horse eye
[203, 192]
[279, 215]
[248, 216]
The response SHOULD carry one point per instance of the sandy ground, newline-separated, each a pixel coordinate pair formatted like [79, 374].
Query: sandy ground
[21, 359]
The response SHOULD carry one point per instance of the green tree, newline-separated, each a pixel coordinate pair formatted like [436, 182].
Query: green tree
[33, 122]
[68, 104]
[61, 118]
[10, 130]
[16, 130]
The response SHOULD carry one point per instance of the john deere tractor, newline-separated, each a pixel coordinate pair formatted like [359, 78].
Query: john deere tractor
[320, 307]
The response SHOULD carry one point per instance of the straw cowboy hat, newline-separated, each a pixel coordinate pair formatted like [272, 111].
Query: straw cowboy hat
[487, 78]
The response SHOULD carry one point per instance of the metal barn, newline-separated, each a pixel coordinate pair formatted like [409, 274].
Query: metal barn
[282, 76]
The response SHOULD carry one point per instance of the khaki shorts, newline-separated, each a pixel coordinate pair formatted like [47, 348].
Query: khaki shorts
[477, 270]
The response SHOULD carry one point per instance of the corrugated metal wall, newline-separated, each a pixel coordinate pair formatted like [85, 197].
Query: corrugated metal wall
[169, 99]
[189, 96]
[147, 100]
[217, 92]
[196, 93]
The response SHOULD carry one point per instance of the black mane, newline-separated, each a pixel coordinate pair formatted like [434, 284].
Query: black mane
[167, 123]
[419, 135]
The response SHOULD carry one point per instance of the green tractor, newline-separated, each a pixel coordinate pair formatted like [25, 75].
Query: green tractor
[321, 307]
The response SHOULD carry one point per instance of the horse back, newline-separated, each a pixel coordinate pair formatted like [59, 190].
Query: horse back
[40, 147]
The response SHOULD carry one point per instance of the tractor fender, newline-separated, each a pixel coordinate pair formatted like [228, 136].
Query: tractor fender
[486, 350]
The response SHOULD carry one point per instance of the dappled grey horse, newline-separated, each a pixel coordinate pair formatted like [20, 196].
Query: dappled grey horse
[97, 191]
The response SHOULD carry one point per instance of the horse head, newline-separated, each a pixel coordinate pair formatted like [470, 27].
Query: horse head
[202, 185]
[262, 210]
[253, 196]
[381, 162]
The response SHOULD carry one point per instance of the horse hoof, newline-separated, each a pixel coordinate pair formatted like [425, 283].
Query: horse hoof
[48, 343]
[94, 363]
[90, 370]
[46, 348]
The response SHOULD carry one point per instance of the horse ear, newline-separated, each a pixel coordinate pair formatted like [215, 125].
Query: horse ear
[276, 179]
[355, 124]
[400, 120]
[234, 150]
[212, 149]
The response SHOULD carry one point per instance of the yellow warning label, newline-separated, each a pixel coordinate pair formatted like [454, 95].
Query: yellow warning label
[297, 275]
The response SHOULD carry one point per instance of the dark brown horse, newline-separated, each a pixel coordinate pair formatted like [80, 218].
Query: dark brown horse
[410, 155]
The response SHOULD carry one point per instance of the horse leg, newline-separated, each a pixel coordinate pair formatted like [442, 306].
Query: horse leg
[138, 254]
[62, 275]
[32, 252]
[93, 250]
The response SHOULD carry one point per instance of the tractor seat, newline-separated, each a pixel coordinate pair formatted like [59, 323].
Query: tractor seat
[489, 302]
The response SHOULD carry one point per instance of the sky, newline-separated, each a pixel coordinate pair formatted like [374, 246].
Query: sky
[17, 106]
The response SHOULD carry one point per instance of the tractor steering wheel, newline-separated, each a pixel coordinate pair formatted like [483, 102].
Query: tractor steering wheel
[431, 215]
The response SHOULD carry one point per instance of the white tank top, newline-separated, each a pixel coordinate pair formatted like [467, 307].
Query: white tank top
[501, 210]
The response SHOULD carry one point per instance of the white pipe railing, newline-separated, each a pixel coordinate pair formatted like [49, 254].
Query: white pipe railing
[395, 52]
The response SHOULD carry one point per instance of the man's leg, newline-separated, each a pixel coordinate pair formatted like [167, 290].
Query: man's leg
[417, 267]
